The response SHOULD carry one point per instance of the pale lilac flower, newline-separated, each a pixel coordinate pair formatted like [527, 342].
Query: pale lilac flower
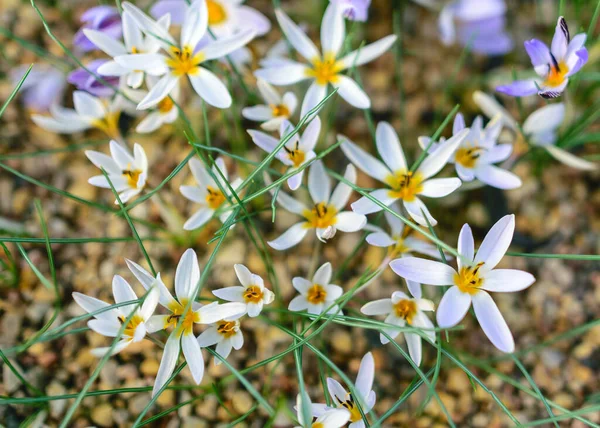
[85, 81]
[475, 277]
[325, 216]
[298, 151]
[354, 10]
[226, 334]
[329, 418]
[187, 277]
[478, 24]
[540, 128]
[105, 19]
[401, 310]
[476, 155]
[43, 87]
[325, 67]
[276, 110]
[553, 65]
[252, 293]
[401, 183]
[317, 294]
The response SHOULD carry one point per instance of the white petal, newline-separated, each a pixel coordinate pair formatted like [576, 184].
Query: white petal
[333, 30]
[150, 123]
[492, 322]
[101, 352]
[123, 293]
[453, 307]
[210, 88]
[380, 239]
[378, 307]
[439, 157]
[194, 24]
[507, 280]
[290, 237]
[333, 418]
[193, 356]
[440, 187]
[103, 161]
[366, 206]
[319, 183]
[413, 341]
[88, 105]
[162, 88]
[342, 191]
[366, 373]
[351, 92]
[231, 294]
[496, 242]
[198, 219]
[287, 74]
[268, 92]
[105, 327]
[298, 303]
[225, 46]
[257, 113]
[310, 136]
[364, 161]
[423, 271]
[297, 38]
[347, 221]
[466, 247]
[323, 275]
[414, 288]
[54, 125]
[105, 43]
[389, 148]
[167, 362]
[368, 53]
[121, 156]
[416, 209]
[314, 95]
[497, 177]
[223, 349]
[571, 160]
[153, 63]
[290, 204]
[209, 337]
[490, 107]
[149, 305]
[212, 313]
[187, 275]
[91, 304]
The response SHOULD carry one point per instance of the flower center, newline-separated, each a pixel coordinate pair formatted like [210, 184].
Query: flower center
[405, 185]
[135, 50]
[177, 309]
[183, 61]
[214, 197]
[227, 328]
[321, 216]
[316, 294]
[109, 124]
[132, 176]
[133, 324]
[253, 294]
[398, 248]
[279, 110]
[557, 74]
[467, 156]
[165, 105]
[349, 404]
[468, 279]
[406, 309]
[216, 12]
[317, 425]
[296, 155]
[324, 70]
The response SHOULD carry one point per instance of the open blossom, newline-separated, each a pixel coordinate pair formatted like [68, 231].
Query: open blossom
[276, 111]
[325, 67]
[475, 277]
[553, 65]
[253, 293]
[126, 173]
[183, 59]
[225, 17]
[318, 294]
[400, 244]
[402, 183]
[329, 418]
[90, 112]
[346, 400]
[109, 322]
[478, 24]
[326, 215]
[540, 128]
[401, 310]
[134, 42]
[85, 81]
[207, 193]
[165, 112]
[226, 334]
[105, 19]
[187, 277]
[43, 87]
[478, 151]
[354, 10]
[297, 152]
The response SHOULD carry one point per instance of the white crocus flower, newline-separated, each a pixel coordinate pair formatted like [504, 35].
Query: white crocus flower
[345, 400]
[325, 67]
[127, 173]
[252, 293]
[166, 111]
[226, 334]
[326, 215]
[182, 337]
[207, 193]
[275, 112]
[90, 112]
[134, 42]
[329, 418]
[402, 310]
[109, 322]
[475, 277]
[317, 294]
[402, 183]
[298, 151]
[540, 128]
[183, 60]
[475, 156]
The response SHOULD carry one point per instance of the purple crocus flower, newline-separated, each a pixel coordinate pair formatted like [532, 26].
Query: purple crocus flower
[43, 87]
[101, 18]
[85, 81]
[479, 24]
[354, 10]
[553, 65]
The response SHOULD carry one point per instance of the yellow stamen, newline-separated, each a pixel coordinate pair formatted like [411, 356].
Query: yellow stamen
[557, 74]
[253, 294]
[109, 124]
[132, 325]
[468, 280]
[321, 216]
[468, 156]
[405, 185]
[296, 155]
[351, 406]
[279, 110]
[325, 70]
[165, 105]
[177, 309]
[316, 294]
[216, 12]
[227, 328]
[135, 50]
[132, 176]
[183, 61]
[406, 309]
[214, 197]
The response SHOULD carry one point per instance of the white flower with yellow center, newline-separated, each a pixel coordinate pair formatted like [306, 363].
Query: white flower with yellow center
[402, 183]
[182, 59]
[325, 216]
[187, 277]
[90, 112]
[298, 151]
[207, 193]
[275, 112]
[475, 277]
[476, 154]
[166, 111]
[402, 310]
[327, 418]
[325, 67]
[317, 294]
[252, 293]
[134, 42]
[226, 334]
[540, 128]
[110, 322]
[127, 173]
